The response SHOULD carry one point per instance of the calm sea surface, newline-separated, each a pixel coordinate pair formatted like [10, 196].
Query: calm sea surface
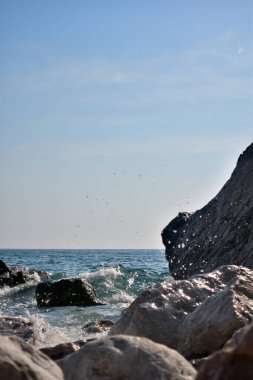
[117, 275]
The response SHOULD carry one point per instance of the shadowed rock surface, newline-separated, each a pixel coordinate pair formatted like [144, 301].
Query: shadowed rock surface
[63, 349]
[233, 362]
[21, 361]
[66, 292]
[195, 316]
[221, 233]
[126, 358]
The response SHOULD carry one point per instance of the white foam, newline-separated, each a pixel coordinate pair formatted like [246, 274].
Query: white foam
[122, 297]
[112, 272]
[47, 335]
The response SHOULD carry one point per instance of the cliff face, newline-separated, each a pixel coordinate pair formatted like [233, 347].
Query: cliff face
[218, 234]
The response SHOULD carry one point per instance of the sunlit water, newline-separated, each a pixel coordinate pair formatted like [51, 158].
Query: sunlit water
[117, 275]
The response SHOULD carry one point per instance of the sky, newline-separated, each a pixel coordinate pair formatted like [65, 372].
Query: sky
[117, 115]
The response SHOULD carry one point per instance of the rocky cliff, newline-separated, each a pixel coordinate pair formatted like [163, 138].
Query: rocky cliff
[218, 234]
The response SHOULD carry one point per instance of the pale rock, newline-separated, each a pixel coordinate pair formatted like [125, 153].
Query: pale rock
[21, 361]
[126, 358]
[164, 312]
[210, 326]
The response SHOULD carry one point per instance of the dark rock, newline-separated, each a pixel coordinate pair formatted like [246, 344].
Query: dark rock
[62, 349]
[3, 267]
[221, 233]
[66, 292]
[13, 276]
[197, 363]
[238, 337]
[195, 316]
[21, 327]
[233, 362]
[21, 361]
[98, 326]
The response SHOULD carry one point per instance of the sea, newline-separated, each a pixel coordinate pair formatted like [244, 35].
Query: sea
[118, 276]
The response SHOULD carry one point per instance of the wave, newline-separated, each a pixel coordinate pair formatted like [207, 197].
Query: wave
[121, 284]
[111, 272]
[7, 291]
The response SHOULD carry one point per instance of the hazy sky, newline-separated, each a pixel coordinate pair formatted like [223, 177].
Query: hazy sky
[116, 115]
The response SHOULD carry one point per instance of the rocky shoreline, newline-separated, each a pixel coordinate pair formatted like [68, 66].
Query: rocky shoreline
[195, 326]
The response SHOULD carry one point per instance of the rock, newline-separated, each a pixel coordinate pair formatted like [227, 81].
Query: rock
[126, 358]
[20, 361]
[62, 349]
[66, 292]
[218, 234]
[17, 326]
[18, 275]
[234, 362]
[178, 311]
[209, 327]
[3, 267]
[98, 326]
[238, 336]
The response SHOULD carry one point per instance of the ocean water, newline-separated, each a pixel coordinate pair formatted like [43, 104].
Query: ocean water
[117, 275]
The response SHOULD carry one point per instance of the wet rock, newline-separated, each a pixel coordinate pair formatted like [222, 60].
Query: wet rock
[181, 311]
[21, 361]
[3, 267]
[98, 326]
[63, 349]
[17, 326]
[13, 276]
[66, 292]
[234, 362]
[126, 358]
[221, 233]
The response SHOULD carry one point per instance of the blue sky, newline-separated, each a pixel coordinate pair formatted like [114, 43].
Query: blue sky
[117, 115]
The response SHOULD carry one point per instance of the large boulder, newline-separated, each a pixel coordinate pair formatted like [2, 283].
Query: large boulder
[66, 292]
[195, 316]
[20, 361]
[221, 233]
[210, 325]
[126, 358]
[233, 362]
